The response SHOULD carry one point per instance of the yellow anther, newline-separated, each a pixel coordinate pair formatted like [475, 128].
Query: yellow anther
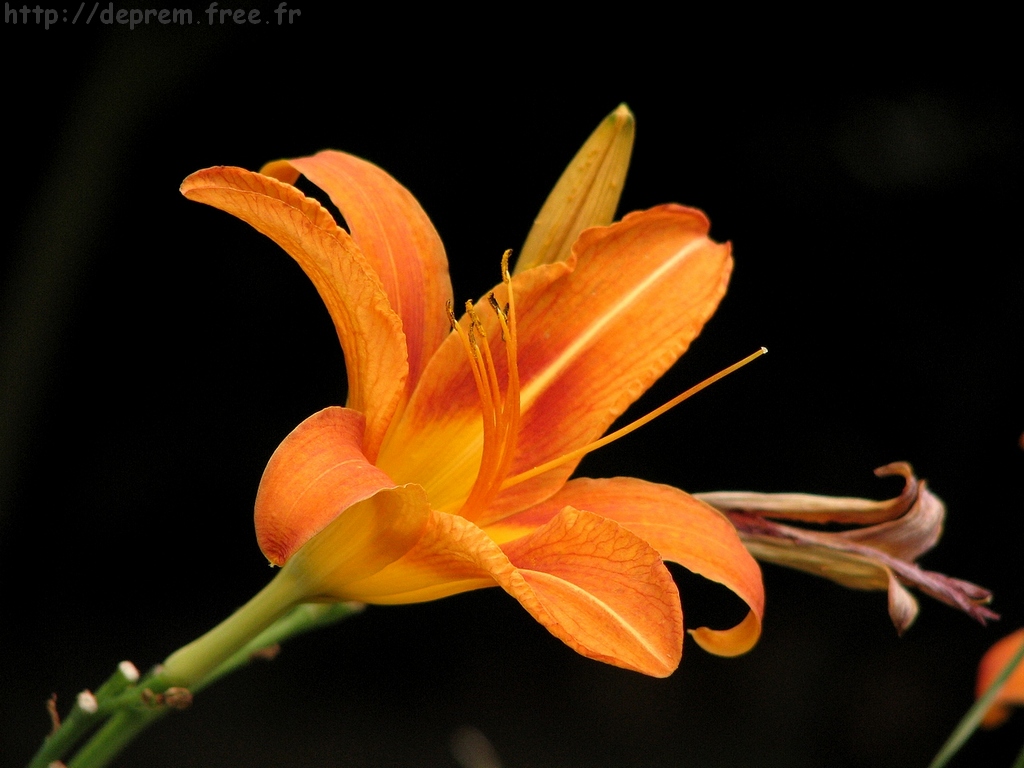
[506, 276]
[495, 305]
[502, 314]
[474, 319]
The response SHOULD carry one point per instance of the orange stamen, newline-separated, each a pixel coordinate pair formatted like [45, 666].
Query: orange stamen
[487, 363]
[613, 436]
[500, 414]
[507, 319]
[473, 355]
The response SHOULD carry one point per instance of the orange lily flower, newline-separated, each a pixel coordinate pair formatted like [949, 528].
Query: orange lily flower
[448, 469]
[1012, 692]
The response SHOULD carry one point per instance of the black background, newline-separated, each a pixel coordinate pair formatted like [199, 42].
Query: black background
[155, 352]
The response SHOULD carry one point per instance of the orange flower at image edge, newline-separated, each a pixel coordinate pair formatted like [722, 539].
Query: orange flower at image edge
[1012, 692]
[448, 469]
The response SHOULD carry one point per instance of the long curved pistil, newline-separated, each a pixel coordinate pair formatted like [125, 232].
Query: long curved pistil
[613, 436]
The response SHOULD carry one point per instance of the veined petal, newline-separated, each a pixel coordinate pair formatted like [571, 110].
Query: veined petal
[594, 333]
[602, 590]
[369, 330]
[593, 584]
[640, 292]
[1012, 692]
[681, 528]
[586, 195]
[317, 473]
[395, 235]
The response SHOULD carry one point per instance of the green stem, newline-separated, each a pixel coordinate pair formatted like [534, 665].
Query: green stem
[190, 664]
[1019, 762]
[271, 617]
[300, 620]
[969, 723]
[114, 736]
[80, 721]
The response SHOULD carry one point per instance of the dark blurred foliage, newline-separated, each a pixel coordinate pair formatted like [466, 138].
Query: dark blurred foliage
[156, 351]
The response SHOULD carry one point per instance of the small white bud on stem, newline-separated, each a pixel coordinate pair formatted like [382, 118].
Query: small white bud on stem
[87, 702]
[129, 670]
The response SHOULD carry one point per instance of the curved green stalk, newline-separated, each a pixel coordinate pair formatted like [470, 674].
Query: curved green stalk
[272, 616]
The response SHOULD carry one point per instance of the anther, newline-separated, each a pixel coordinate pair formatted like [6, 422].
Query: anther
[494, 304]
[506, 276]
[502, 314]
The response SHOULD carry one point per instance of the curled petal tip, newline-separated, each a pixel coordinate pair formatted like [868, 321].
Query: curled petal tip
[682, 530]
[282, 170]
[730, 642]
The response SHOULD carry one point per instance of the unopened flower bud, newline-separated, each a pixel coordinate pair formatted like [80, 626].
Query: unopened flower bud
[587, 193]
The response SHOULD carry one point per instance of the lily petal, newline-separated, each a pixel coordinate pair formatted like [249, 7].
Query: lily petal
[594, 585]
[315, 475]
[588, 347]
[395, 235]
[906, 526]
[602, 590]
[360, 542]
[586, 195]
[810, 508]
[1012, 692]
[369, 330]
[858, 566]
[681, 528]
[873, 557]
